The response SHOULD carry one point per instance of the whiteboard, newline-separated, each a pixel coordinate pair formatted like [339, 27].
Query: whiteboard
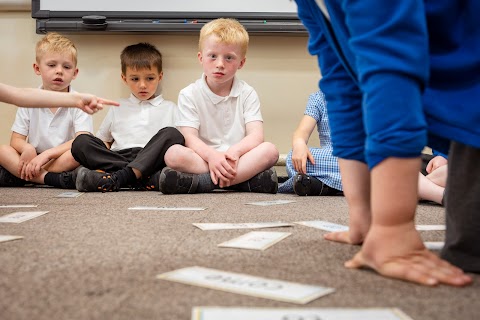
[254, 6]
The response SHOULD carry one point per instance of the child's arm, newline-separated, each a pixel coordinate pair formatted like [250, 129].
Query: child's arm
[253, 137]
[36, 164]
[217, 161]
[300, 151]
[29, 97]
[26, 151]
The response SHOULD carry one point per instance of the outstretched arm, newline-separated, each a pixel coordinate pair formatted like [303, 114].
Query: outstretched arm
[30, 97]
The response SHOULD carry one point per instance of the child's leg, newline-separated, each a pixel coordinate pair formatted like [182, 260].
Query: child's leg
[184, 159]
[439, 176]
[392, 246]
[463, 208]
[92, 153]
[151, 158]
[9, 159]
[428, 190]
[356, 188]
[259, 159]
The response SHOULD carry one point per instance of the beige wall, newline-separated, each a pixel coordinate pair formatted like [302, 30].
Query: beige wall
[278, 67]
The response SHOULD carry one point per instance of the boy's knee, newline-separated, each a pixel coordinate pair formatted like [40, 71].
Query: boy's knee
[174, 155]
[174, 136]
[271, 153]
[80, 142]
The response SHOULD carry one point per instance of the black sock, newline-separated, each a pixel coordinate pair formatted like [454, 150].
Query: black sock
[53, 179]
[126, 177]
[205, 183]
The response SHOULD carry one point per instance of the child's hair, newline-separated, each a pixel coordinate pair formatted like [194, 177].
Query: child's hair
[229, 31]
[57, 43]
[141, 56]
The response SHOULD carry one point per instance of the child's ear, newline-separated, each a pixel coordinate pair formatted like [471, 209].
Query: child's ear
[124, 79]
[75, 73]
[36, 69]
[242, 63]
[160, 76]
[200, 57]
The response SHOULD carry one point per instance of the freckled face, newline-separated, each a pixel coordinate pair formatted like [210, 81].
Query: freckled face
[143, 83]
[220, 61]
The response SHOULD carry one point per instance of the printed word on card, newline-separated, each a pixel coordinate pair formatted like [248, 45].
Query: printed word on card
[18, 217]
[270, 203]
[253, 225]
[223, 313]
[323, 225]
[168, 208]
[5, 238]
[247, 285]
[256, 240]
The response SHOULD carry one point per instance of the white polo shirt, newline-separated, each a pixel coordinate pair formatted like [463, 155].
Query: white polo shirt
[135, 122]
[46, 130]
[220, 121]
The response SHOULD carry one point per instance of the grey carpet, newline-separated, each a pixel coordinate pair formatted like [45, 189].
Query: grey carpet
[91, 258]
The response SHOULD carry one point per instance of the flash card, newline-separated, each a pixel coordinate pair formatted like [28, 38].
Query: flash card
[256, 240]
[430, 227]
[247, 285]
[19, 206]
[270, 203]
[168, 208]
[69, 194]
[232, 313]
[18, 217]
[324, 225]
[5, 238]
[253, 225]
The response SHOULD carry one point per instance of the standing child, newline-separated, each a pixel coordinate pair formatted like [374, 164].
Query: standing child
[39, 149]
[391, 72]
[313, 171]
[130, 145]
[219, 115]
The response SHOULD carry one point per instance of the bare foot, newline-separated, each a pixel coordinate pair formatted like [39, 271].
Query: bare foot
[398, 252]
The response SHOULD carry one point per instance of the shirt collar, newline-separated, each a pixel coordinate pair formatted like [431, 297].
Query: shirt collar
[234, 92]
[153, 102]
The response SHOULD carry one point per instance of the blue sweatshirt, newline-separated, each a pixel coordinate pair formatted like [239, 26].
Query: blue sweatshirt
[393, 69]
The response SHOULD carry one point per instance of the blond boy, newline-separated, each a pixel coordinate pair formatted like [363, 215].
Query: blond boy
[220, 117]
[39, 149]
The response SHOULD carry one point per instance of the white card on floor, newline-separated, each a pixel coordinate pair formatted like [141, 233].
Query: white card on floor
[270, 203]
[430, 227]
[255, 240]
[323, 225]
[19, 206]
[69, 194]
[168, 208]
[18, 217]
[5, 238]
[229, 226]
[247, 285]
[434, 245]
[222, 313]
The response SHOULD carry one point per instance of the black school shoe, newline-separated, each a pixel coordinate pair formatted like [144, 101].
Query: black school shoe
[68, 179]
[96, 181]
[176, 182]
[150, 183]
[263, 182]
[305, 185]
[9, 180]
